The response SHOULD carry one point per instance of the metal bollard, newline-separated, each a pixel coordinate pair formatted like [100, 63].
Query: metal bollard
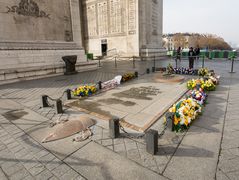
[68, 94]
[44, 101]
[100, 84]
[153, 69]
[147, 70]
[152, 141]
[58, 106]
[154, 62]
[136, 74]
[203, 61]
[115, 62]
[232, 66]
[114, 131]
[133, 62]
[176, 60]
[99, 63]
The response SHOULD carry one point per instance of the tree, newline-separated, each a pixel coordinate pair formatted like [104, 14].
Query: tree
[179, 40]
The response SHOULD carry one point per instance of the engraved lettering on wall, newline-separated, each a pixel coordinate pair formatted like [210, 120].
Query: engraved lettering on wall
[132, 16]
[28, 8]
[27, 22]
[105, 18]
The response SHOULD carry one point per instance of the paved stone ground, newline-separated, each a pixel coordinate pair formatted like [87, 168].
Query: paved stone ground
[209, 150]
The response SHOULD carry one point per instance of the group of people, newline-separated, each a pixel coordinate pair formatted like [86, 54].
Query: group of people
[193, 54]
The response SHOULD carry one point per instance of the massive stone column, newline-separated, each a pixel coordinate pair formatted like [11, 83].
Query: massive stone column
[150, 27]
[35, 34]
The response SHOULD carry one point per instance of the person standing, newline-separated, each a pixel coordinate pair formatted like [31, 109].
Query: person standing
[191, 57]
[178, 57]
[197, 52]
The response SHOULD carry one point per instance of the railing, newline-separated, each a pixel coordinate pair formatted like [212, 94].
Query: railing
[153, 61]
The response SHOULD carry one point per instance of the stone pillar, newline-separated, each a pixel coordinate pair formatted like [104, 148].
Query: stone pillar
[76, 22]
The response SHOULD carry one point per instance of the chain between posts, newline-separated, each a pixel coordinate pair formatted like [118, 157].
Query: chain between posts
[128, 134]
[141, 136]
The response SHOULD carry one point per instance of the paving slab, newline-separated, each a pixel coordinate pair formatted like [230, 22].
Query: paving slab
[96, 162]
[196, 157]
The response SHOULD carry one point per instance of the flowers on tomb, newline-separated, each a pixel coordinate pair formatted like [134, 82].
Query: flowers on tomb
[184, 112]
[207, 84]
[186, 71]
[203, 72]
[170, 69]
[85, 90]
[127, 77]
[199, 95]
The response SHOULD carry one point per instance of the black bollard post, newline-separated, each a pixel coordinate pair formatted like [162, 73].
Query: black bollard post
[100, 84]
[114, 131]
[44, 101]
[133, 62]
[68, 94]
[115, 62]
[58, 106]
[176, 61]
[136, 74]
[232, 66]
[152, 141]
[203, 61]
[153, 69]
[99, 63]
[147, 70]
[154, 63]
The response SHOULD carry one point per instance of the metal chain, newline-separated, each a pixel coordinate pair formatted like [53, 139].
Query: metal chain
[129, 135]
[141, 136]
[164, 129]
[52, 99]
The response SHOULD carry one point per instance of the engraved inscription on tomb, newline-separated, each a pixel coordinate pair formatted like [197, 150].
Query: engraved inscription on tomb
[28, 8]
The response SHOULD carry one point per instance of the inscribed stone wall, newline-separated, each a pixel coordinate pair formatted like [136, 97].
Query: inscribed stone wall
[111, 20]
[38, 20]
[106, 17]
[35, 34]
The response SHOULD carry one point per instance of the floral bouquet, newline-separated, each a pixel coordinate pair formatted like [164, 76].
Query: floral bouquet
[193, 83]
[208, 85]
[186, 71]
[184, 112]
[85, 90]
[203, 72]
[127, 77]
[170, 69]
[199, 95]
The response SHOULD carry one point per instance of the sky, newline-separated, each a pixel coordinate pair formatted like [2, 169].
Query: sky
[219, 17]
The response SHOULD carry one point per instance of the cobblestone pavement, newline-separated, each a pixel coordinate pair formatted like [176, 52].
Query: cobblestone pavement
[211, 143]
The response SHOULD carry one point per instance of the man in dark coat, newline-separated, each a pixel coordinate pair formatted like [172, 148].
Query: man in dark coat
[197, 51]
[191, 57]
[178, 53]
